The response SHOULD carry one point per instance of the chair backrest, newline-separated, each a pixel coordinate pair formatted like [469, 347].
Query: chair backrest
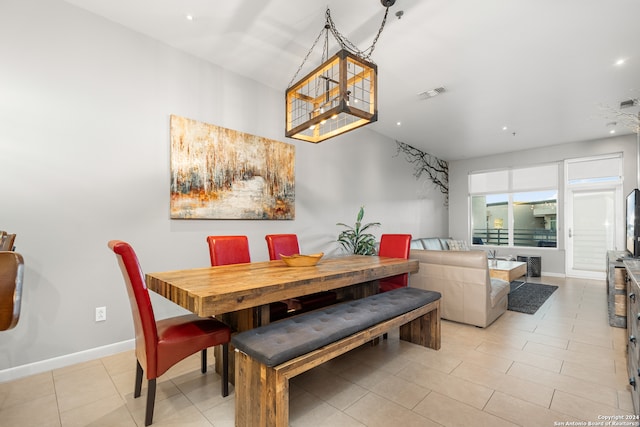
[225, 250]
[282, 244]
[144, 320]
[11, 274]
[6, 242]
[396, 246]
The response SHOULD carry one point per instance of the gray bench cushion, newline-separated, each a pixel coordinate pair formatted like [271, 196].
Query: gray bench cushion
[284, 340]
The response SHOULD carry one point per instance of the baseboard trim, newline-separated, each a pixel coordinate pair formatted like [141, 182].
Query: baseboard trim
[39, 367]
[546, 273]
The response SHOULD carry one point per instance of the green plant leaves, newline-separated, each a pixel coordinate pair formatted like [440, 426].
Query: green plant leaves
[354, 240]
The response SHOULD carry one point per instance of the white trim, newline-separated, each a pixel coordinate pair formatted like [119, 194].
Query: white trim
[548, 273]
[41, 366]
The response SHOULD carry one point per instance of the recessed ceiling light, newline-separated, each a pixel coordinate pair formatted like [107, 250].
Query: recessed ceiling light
[189, 17]
[620, 61]
[504, 128]
[612, 131]
[398, 123]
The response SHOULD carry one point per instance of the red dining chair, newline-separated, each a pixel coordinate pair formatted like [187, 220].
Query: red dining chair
[282, 244]
[287, 244]
[11, 274]
[160, 344]
[394, 246]
[225, 250]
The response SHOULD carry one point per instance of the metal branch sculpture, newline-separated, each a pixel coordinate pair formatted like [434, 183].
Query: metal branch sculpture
[437, 170]
[629, 120]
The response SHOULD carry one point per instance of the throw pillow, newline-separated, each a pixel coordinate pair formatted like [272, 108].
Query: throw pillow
[458, 245]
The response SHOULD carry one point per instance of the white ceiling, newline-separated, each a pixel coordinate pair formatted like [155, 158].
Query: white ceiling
[543, 68]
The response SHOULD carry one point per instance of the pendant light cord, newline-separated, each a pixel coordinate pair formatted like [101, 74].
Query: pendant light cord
[348, 45]
[342, 41]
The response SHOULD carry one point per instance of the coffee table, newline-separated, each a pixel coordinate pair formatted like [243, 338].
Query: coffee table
[507, 270]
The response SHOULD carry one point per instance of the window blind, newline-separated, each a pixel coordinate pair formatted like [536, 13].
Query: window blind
[541, 177]
[535, 178]
[594, 168]
[489, 182]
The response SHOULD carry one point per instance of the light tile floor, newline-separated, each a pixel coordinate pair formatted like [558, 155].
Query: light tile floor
[560, 365]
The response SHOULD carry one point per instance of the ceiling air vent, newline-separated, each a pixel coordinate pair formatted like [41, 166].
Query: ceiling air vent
[431, 93]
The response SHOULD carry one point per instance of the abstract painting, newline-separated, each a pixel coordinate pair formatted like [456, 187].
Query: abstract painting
[219, 173]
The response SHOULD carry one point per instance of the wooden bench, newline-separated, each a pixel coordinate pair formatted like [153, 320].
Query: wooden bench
[268, 356]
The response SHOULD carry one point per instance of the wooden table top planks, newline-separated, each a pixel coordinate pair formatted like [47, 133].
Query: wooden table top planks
[212, 291]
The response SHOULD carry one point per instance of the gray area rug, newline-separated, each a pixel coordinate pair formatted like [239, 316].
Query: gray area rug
[528, 297]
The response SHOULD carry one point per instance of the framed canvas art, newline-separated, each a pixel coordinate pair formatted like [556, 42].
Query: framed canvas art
[219, 173]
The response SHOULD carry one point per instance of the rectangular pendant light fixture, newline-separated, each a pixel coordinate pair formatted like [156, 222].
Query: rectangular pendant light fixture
[336, 97]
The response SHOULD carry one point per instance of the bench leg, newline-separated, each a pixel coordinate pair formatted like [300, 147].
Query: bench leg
[261, 394]
[424, 330]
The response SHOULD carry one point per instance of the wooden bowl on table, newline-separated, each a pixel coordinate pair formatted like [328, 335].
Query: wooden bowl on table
[300, 260]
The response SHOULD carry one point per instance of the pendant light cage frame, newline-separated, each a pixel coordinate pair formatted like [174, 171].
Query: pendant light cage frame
[336, 97]
[339, 95]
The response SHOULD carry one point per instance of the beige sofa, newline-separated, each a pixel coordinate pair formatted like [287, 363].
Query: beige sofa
[469, 295]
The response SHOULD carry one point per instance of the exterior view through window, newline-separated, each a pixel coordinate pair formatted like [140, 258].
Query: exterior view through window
[534, 219]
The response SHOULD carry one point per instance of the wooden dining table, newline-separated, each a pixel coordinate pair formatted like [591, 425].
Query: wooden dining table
[239, 294]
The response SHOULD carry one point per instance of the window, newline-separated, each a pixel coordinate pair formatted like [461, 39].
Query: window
[515, 207]
[489, 213]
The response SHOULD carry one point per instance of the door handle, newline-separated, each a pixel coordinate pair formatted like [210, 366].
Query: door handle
[570, 234]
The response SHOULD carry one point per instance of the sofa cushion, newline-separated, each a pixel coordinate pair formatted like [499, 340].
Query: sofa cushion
[499, 289]
[433, 243]
[458, 245]
[286, 339]
[416, 244]
[445, 244]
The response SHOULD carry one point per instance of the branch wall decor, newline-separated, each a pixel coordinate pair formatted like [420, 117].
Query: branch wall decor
[628, 119]
[437, 170]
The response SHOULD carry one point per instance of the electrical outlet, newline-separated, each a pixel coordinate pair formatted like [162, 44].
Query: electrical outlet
[101, 314]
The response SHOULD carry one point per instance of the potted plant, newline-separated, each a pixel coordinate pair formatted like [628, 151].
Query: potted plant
[354, 239]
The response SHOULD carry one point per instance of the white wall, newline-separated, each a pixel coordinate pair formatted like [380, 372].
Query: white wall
[552, 258]
[84, 144]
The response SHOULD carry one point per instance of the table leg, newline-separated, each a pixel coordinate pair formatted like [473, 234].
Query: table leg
[241, 320]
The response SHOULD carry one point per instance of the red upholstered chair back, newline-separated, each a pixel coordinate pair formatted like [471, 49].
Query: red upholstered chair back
[282, 244]
[395, 246]
[225, 250]
[144, 320]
